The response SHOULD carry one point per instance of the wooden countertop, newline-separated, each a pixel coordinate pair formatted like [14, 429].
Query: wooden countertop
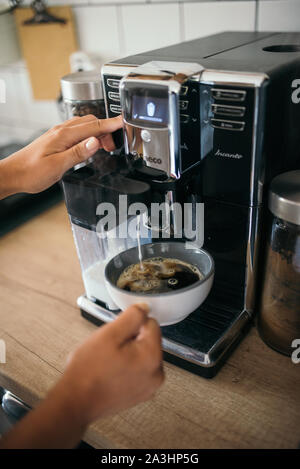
[254, 401]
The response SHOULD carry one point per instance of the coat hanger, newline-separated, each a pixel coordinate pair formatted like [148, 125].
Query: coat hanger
[41, 15]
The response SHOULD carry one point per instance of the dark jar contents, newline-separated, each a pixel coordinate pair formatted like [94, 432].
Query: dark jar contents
[82, 108]
[279, 318]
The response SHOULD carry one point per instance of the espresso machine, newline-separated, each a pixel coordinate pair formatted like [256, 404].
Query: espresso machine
[207, 123]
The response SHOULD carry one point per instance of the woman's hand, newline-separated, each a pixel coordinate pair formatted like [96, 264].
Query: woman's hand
[44, 161]
[119, 366]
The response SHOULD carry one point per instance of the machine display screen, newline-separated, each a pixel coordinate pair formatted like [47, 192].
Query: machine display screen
[150, 109]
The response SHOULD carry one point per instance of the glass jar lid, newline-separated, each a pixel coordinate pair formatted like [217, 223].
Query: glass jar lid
[82, 86]
[284, 197]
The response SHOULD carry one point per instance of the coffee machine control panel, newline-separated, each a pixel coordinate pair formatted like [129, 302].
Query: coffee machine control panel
[228, 121]
[154, 104]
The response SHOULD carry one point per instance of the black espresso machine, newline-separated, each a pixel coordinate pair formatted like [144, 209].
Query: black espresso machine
[207, 123]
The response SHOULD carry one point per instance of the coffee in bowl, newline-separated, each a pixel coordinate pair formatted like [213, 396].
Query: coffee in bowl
[158, 275]
[167, 261]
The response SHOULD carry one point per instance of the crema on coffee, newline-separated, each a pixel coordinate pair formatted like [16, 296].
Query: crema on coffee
[158, 275]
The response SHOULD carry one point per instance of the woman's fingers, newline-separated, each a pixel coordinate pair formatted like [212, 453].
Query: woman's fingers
[150, 339]
[107, 142]
[78, 119]
[76, 154]
[128, 324]
[92, 128]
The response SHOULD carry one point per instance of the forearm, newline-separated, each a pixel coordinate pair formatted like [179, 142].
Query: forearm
[55, 423]
[9, 177]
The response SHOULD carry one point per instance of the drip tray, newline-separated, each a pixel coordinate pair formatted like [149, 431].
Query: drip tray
[201, 343]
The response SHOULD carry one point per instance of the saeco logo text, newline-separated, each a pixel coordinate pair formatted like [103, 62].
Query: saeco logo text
[151, 159]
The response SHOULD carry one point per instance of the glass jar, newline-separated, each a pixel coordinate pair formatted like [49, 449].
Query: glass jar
[279, 316]
[82, 108]
[82, 95]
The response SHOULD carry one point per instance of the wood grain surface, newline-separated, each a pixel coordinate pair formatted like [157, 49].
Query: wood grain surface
[254, 401]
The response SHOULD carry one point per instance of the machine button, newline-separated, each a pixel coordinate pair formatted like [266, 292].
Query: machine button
[115, 108]
[146, 136]
[223, 110]
[227, 125]
[183, 105]
[114, 96]
[228, 95]
[113, 83]
[184, 118]
[184, 90]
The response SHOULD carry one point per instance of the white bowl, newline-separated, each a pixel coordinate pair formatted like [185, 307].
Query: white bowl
[171, 307]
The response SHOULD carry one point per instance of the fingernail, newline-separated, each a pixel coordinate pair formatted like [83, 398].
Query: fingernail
[144, 307]
[92, 144]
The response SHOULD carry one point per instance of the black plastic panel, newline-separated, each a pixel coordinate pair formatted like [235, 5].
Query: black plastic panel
[190, 130]
[103, 180]
[227, 152]
[113, 105]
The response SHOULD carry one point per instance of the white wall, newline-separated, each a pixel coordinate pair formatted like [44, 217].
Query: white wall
[116, 28]
[279, 15]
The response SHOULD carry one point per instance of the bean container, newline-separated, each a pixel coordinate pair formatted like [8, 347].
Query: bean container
[279, 316]
[82, 94]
